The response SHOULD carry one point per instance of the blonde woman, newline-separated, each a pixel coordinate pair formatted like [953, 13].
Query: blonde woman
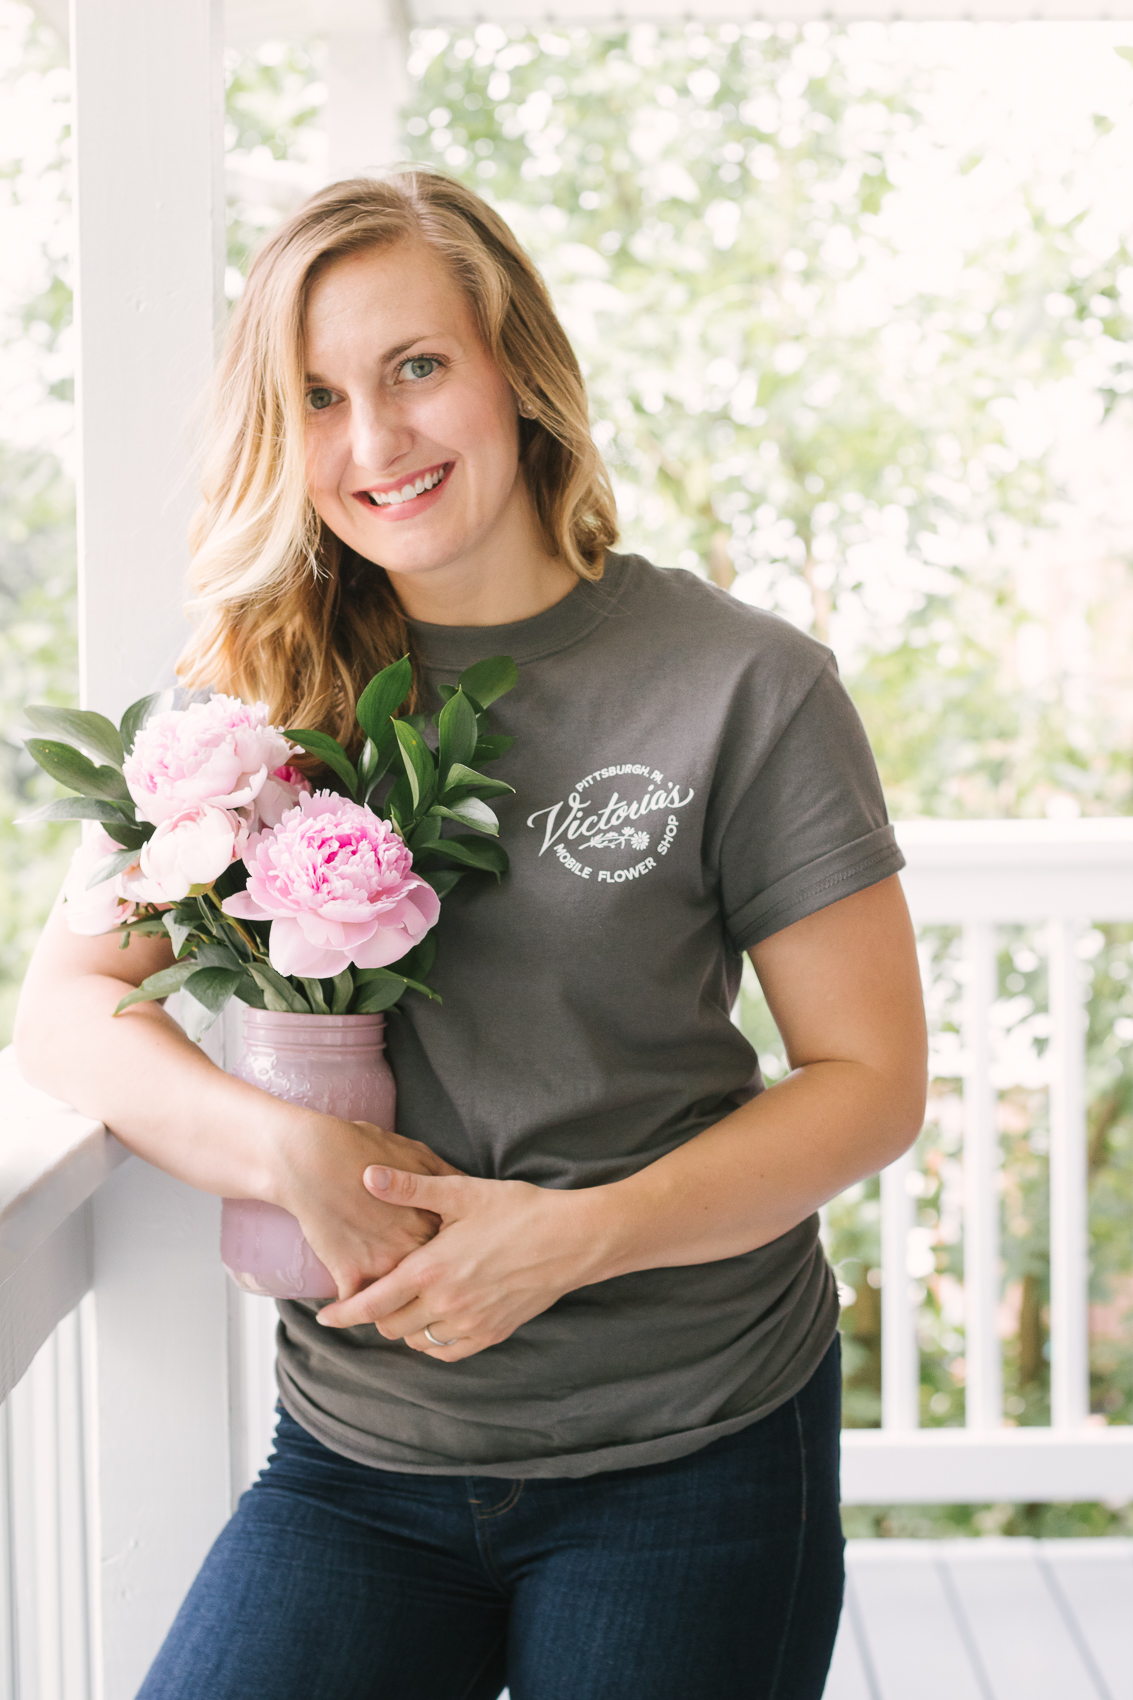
[572, 1423]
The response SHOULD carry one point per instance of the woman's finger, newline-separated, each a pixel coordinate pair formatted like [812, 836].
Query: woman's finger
[465, 1346]
[444, 1195]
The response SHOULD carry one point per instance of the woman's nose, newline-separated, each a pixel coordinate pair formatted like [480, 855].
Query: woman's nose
[378, 438]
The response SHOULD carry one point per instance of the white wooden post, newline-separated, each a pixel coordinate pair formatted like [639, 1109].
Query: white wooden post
[900, 1356]
[148, 116]
[1069, 1220]
[984, 1377]
[150, 231]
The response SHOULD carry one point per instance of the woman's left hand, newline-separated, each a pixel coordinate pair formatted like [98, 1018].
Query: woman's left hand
[505, 1251]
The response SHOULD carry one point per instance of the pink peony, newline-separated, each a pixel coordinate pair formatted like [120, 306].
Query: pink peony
[281, 791]
[336, 882]
[191, 849]
[218, 752]
[102, 907]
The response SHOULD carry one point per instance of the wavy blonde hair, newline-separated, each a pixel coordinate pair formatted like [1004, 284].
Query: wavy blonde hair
[285, 613]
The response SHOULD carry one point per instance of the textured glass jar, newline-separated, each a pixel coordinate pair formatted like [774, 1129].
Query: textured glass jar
[333, 1063]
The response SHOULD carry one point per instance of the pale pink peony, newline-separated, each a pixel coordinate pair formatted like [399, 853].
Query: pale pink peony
[281, 791]
[191, 849]
[337, 884]
[218, 752]
[102, 907]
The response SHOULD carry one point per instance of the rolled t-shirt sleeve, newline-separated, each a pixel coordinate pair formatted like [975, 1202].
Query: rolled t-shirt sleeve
[811, 827]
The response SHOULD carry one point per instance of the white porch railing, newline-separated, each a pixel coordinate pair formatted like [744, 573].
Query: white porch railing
[147, 1409]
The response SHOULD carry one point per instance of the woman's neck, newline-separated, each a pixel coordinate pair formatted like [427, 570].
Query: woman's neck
[506, 578]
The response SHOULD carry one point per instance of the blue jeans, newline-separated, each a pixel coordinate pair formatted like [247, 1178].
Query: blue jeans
[715, 1577]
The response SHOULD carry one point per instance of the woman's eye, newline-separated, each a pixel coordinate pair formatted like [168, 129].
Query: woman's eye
[318, 400]
[421, 366]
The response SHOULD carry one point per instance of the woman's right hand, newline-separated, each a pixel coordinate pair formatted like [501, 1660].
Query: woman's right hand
[318, 1178]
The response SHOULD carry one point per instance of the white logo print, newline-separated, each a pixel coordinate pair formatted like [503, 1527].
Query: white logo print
[619, 824]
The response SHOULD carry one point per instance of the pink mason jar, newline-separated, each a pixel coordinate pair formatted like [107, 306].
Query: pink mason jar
[333, 1063]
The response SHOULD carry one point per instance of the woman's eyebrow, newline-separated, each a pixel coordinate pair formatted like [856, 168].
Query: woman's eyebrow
[389, 355]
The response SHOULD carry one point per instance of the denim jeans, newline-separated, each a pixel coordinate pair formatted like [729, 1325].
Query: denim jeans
[717, 1576]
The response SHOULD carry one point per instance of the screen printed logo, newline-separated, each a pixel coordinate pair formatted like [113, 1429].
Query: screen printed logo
[616, 825]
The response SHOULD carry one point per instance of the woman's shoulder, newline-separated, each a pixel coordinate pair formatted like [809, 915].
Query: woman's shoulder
[680, 607]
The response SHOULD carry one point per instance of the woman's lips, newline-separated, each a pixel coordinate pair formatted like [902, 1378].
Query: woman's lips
[413, 497]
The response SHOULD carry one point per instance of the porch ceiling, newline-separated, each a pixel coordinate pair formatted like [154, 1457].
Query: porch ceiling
[250, 21]
[259, 20]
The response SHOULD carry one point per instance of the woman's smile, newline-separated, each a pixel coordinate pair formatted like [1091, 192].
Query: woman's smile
[406, 498]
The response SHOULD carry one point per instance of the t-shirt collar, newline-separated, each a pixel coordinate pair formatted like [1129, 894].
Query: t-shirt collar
[449, 649]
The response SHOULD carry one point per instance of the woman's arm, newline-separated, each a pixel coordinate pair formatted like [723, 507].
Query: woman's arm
[845, 992]
[164, 1099]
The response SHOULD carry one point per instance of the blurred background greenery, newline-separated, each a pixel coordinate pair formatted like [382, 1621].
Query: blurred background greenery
[853, 306]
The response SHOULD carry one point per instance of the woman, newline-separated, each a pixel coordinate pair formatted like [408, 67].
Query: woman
[572, 1423]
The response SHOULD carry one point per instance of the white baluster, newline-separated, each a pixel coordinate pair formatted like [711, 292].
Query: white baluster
[900, 1357]
[984, 1377]
[1069, 1226]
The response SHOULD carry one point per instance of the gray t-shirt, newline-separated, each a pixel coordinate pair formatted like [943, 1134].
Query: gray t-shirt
[690, 778]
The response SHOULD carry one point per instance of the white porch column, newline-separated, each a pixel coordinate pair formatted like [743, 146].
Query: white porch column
[150, 242]
[148, 104]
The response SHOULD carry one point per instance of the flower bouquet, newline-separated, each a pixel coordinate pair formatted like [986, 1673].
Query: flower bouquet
[296, 901]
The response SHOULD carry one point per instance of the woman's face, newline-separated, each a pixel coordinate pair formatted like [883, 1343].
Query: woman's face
[412, 434]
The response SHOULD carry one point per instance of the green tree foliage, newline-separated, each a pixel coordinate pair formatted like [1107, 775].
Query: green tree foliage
[273, 98]
[775, 395]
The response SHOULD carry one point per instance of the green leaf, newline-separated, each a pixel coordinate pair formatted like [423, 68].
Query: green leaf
[149, 927]
[375, 764]
[136, 716]
[330, 751]
[343, 992]
[446, 691]
[456, 725]
[178, 931]
[75, 771]
[214, 953]
[367, 766]
[442, 880]
[213, 987]
[278, 995]
[480, 853]
[129, 836]
[425, 831]
[92, 732]
[378, 990]
[111, 865]
[468, 780]
[489, 679]
[399, 803]
[73, 808]
[314, 991]
[382, 698]
[490, 746]
[248, 992]
[160, 985]
[420, 769]
[417, 962]
[471, 812]
[195, 1019]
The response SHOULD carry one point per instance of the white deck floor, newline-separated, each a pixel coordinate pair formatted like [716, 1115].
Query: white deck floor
[986, 1620]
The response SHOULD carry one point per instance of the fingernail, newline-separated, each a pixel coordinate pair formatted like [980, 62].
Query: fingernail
[377, 1179]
